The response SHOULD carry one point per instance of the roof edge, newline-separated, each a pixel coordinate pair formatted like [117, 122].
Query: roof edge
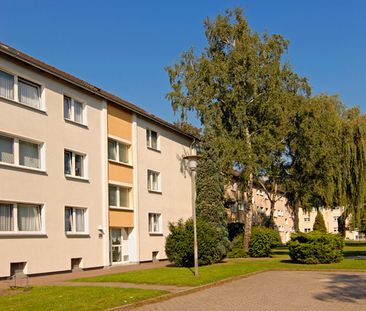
[12, 52]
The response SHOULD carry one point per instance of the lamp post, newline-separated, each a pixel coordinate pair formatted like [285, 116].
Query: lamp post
[192, 164]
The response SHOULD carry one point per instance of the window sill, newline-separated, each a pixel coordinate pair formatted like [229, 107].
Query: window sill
[121, 208]
[18, 103]
[77, 234]
[77, 178]
[21, 234]
[120, 163]
[155, 191]
[76, 123]
[154, 149]
[23, 168]
[156, 233]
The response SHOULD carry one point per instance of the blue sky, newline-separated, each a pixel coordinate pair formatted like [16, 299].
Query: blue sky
[123, 46]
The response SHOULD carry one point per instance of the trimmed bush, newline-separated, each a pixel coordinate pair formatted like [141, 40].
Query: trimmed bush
[179, 244]
[262, 241]
[319, 224]
[237, 250]
[316, 247]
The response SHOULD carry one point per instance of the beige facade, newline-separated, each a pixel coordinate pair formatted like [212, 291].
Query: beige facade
[167, 200]
[51, 248]
[86, 179]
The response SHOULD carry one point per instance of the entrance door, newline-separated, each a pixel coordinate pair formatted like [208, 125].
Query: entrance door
[116, 245]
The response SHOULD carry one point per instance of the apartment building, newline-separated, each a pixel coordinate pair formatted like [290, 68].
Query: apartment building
[283, 216]
[86, 179]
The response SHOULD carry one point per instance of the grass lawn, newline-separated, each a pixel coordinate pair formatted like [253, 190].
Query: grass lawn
[57, 298]
[230, 268]
[208, 274]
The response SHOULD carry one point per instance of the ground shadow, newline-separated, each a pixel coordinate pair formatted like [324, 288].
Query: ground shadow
[345, 287]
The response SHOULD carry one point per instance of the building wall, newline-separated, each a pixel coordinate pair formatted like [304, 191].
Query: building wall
[174, 200]
[307, 219]
[53, 250]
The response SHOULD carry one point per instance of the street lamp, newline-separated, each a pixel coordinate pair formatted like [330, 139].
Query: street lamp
[192, 164]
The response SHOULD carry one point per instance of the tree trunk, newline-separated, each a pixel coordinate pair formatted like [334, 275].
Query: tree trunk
[296, 217]
[271, 215]
[248, 215]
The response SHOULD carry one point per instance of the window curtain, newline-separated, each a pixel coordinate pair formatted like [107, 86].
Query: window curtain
[68, 219]
[156, 222]
[78, 110]
[6, 85]
[6, 149]
[123, 197]
[29, 94]
[29, 217]
[68, 161]
[78, 165]
[112, 195]
[67, 107]
[80, 220]
[154, 140]
[28, 154]
[112, 154]
[6, 217]
[123, 153]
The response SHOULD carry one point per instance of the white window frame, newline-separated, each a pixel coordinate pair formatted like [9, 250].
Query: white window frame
[73, 224]
[72, 112]
[129, 150]
[306, 230]
[150, 183]
[16, 152]
[16, 230]
[118, 193]
[149, 139]
[73, 163]
[151, 218]
[42, 106]
[306, 219]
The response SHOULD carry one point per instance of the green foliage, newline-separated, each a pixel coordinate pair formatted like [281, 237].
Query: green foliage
[262, 241]
[210, 192]
[316, 247]
[237, 250]
[319, 224]
[179, 244]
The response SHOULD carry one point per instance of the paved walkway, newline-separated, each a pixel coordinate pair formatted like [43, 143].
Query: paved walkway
[277, 291]
[53, 279]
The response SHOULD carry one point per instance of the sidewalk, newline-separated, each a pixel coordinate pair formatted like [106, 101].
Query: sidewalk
[58, 278]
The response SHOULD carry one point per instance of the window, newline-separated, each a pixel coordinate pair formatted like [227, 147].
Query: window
[153, 181]
[118, 151]
[75, 164]
[335, 218]
[20, 90]
[119, 197]
[6, 85]
[152, 139]
[16, 217]
[155, 223]
[307, 219]
[335, 229]
[74, 110]
[75, 220]
[307, 230]
[29, 93]
[20, 152]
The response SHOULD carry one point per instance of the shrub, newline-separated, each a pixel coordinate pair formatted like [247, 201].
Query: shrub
[262, 241]
[316, 247]
[237, 250]
[179, 244]
[319, 224]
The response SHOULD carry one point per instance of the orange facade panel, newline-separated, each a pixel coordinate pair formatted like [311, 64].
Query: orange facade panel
[121, 219]
[119, 122]
[121, 173]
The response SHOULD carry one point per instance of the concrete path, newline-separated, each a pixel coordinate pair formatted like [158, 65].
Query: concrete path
[277, 291]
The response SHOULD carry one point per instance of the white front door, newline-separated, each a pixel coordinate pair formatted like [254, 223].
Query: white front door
[119, 245]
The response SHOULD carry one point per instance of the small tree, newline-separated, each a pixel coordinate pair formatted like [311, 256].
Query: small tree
[319, 224]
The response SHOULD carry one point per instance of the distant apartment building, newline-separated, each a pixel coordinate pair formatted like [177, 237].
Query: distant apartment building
[87, 179]
[283, 217]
